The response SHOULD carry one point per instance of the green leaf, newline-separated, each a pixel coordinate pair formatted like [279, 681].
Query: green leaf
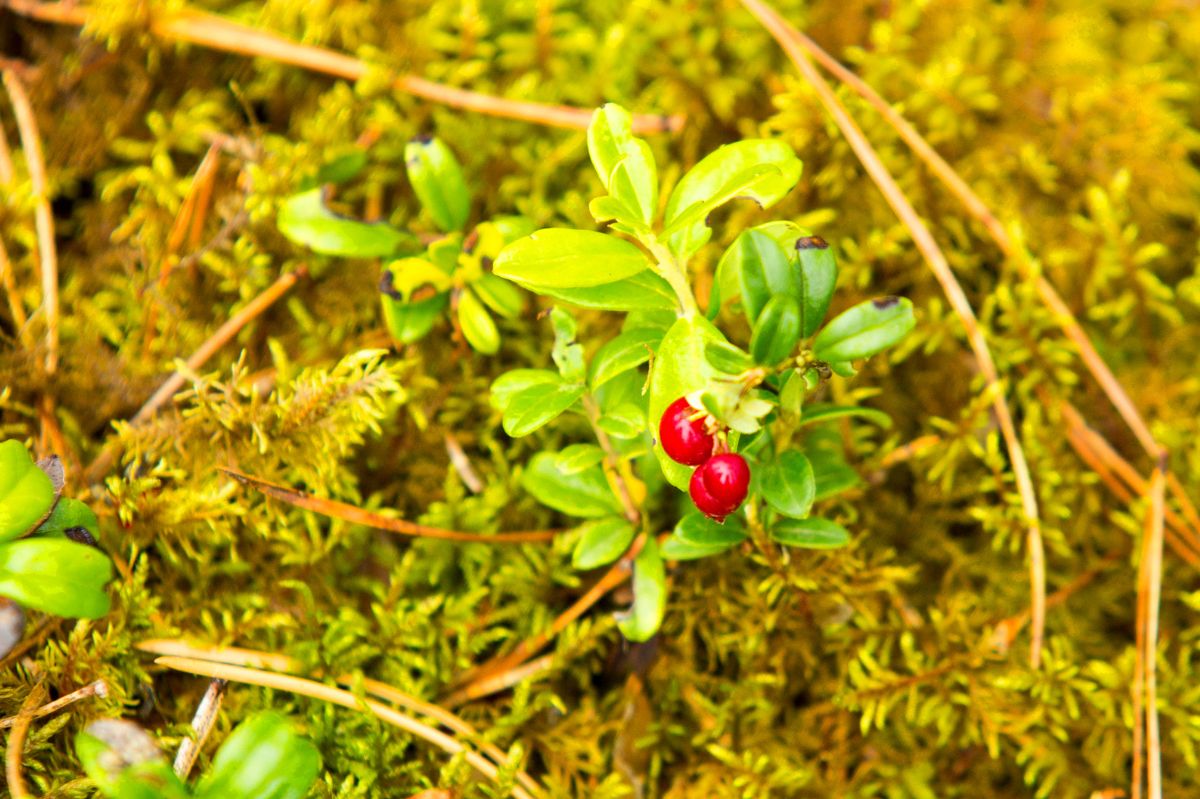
[26, 493]
[642, 620]
[498, 294]
[810, 533]
[634, 181]
[679, 369]
[411, 321]
[815, 414]
[67, 514]
[777, 330]
[629, 350]
[699, 530]
[537, 405]
[511, 383]
[645, 291]
[788, 484]
[567, 355]
[726, 358]
[478, 327]
[264, 758]
[755, 268]
[55, 575]
[438, 181]
[610, 130]
[624, 421]
[305, 219]
[601, 542]
[763, 170]
[865, 329]
[818, 277]
[125, 763]
[625, 165]
[585, 494]
[343, 167]
[567, 258]
[791, 396]
[678, 549]
[578, 457]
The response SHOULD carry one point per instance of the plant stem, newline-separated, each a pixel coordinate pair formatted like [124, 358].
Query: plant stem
[674, 273]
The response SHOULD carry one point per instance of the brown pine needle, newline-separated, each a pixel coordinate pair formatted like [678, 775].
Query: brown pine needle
[787, 37]
[16, 742]
[1153, 555]
[326, 693]
[218, 33]
[97, 688]
[500, 682]
[236, 656]
[43, 219]
[202, 724]
[251, 311]
[355, 514]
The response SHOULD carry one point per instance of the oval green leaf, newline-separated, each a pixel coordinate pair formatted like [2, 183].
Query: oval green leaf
[788, 484]
[641, 621]
[699, 530]
[645, 291]
[511, 383]
[568, 258]
[586, 494]
[577, 457]
[438, 181]
[601, 542]
[755, 268]
[777, 330]
[865, 329]
[478, 327]
[26, 493]
[629, 350]
[818, 277]
[815, 414]
[57, 576]
[537, 405]
[677, 549]
[263, 757]
[69, 513]
[810, 533]
[304, 219]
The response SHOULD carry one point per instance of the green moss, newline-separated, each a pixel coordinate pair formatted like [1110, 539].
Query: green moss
[864, 672]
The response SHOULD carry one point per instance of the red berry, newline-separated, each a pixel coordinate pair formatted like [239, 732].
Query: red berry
[683, 438]
[719, 486]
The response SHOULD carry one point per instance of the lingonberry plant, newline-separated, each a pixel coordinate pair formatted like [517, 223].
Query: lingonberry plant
[48, 557]
[728, 416]
[264, 758]
[418, 284]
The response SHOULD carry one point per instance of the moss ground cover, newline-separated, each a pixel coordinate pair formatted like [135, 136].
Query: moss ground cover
[898, 665]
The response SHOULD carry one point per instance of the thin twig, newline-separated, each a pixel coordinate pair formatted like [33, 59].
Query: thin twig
[787, 37]
[236, 656]
[31, 143]
[218, 33]
[355, 514]
[176, 381]
[462, 464]
[202, 724]
[326, 693]
[16, 742]
[500, 682]
[1153, 553]
[97, 688]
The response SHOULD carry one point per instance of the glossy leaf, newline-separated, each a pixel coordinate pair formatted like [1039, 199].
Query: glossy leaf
[788, 484]
[763, 170]
[610, 130]
[601, 542]
[305, 219]
[675, 548]
[537, 405]
[777, 330]
[817, 271]
[585, 494]
[478, 327]
[727, 358]
[679, 369]
[626, 420]
[26, 493]
[57, 576]
[865, 329]
[438, 182]
[629, 350]
[815, 414]
[578, 457]
[567, 258]
[498, 294]
[699, 530]
[264, 758]
[343, 167]
[755, 268]
[642, 620]
[411, 321]
[645, 291]
[809, 533]
[67, 514]
[511, 383]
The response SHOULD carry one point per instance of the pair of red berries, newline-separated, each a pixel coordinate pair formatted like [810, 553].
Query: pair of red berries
[720, 481]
